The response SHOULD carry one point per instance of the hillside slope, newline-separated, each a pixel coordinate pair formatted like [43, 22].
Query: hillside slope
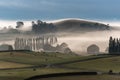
[77, 25]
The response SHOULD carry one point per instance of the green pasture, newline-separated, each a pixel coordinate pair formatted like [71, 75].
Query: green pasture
[21, 74]
[33, 58]
[102, 64]
[65, 63]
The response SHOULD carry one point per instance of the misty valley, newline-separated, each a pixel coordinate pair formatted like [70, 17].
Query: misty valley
[77, 34]
[59, 40]
[61, 50]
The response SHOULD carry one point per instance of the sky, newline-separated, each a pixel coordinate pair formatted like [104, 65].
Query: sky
[48, 10]
[58, 9]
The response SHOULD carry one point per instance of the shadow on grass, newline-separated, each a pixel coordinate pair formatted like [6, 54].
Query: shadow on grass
[61, 75]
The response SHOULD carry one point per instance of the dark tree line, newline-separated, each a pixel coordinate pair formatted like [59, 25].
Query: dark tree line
[43, 27]
[114, 45]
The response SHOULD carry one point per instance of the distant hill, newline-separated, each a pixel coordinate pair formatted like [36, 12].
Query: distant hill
[77, 25]
[66, 25]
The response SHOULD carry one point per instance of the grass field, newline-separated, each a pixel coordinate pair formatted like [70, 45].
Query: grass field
[4, 65]
[36, 58]
[28, 59]
[21, 74]
[104, 64]
[69, 63]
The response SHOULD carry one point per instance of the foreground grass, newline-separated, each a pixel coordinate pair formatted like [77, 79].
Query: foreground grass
[102, 64]
[93, 77]
[26, 73]
[70, 63]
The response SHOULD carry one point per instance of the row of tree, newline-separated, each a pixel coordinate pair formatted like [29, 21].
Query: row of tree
[114, 45]
[34, 44]
[43, 27]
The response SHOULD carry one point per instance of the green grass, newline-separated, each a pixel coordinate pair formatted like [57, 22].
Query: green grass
[26, 73]
[4, 65]
[25, 59]
[102, 64]
[32, 58]
[36, 58]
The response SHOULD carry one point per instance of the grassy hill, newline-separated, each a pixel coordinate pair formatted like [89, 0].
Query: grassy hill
[33, 58]
[21, 65]
[101, 64]
[5, 64]
[77, 25]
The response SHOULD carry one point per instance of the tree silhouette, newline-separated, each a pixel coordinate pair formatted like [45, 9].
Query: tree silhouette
[114, 45]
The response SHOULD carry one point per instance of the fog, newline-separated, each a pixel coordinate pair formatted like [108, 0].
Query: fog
[78, 42]
[12, 24]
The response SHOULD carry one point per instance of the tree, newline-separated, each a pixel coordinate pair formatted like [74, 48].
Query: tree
[114, 45]
[110, 45]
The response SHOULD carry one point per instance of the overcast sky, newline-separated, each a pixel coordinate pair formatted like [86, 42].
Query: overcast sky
[58, 9]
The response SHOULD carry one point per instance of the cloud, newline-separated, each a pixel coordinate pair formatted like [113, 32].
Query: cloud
[12, 23]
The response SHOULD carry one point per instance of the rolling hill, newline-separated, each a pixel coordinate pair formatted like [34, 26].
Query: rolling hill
[77, 25]
[60, 63]
[63, 25]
